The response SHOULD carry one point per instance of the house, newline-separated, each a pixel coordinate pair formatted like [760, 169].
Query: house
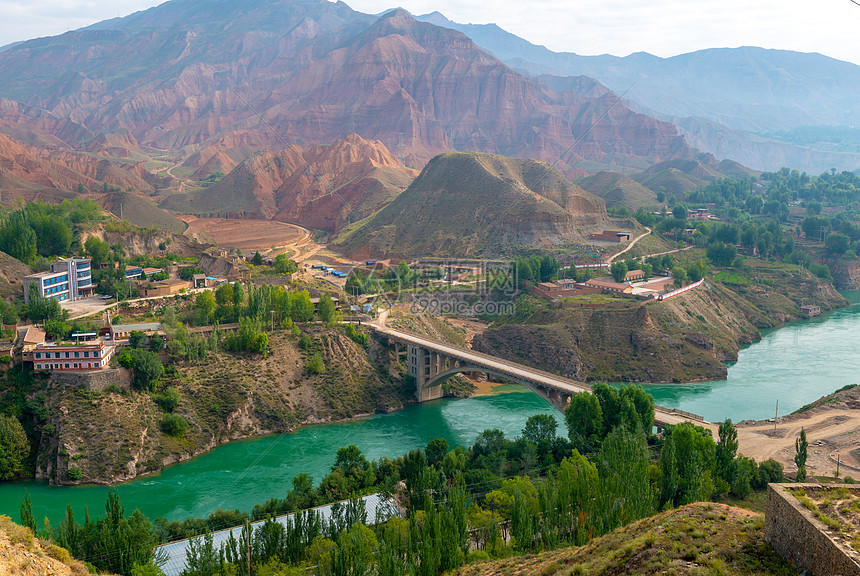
[810, 310]
[68, 356]
[123, 331]
[132, 272]
[610, 236]
[610, 286]
[67, 279]
[634, 275]
[163, 288]
[28, 338]
[198, 281]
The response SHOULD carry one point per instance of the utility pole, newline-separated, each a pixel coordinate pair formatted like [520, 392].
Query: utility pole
[775, 415]
[248, 530]
[837, 464]
[273, 320]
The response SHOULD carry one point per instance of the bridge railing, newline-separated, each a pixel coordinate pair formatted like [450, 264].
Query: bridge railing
[492, 359]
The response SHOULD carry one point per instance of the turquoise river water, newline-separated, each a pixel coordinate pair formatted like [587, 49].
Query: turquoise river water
[796, 364]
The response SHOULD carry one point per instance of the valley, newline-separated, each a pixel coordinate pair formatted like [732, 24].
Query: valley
[260, 257]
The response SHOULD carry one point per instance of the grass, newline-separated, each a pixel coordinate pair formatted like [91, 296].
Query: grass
[836, 508]
[727, 277]
[703, 538]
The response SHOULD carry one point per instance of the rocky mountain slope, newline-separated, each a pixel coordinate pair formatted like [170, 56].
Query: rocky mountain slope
[470, 204]
[30, 171]
[321, 187]
[187, 75]
[685, 339]
[723, 99]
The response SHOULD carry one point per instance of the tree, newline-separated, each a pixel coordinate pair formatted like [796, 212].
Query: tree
[837, 243]
[688, 457]
[204, 307]
[98, 250]
[326, 308]
[584, 421]
[257, 259]
[14, 448]
[540, 427]
[224, 295]
[726, 451]
[800, 447]
[284, 265]
[436, 450]
[146, 366]
[618, 271]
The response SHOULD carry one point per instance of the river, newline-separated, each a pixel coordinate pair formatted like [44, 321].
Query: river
[796, 364]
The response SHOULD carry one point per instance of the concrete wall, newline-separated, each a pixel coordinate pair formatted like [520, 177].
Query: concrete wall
[799, 537]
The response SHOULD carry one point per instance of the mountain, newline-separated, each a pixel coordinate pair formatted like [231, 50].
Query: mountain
[322, 187]
[677, 177]
[261, 74]
[470, 204]
[618, 190]
[748, 89]
[32, 172]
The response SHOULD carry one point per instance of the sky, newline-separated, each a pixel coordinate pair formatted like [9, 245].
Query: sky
[660, 27]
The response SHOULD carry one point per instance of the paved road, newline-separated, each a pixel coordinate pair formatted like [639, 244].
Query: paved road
[664, 415]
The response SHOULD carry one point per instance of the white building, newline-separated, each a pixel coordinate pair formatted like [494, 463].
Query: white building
[68, 279]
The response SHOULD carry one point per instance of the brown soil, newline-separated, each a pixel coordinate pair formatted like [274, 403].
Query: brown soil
[246, 235]
[23, 555]
[832, 427]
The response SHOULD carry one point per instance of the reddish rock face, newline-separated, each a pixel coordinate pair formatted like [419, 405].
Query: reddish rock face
[183, 76]
[28, 170]
[322, 187]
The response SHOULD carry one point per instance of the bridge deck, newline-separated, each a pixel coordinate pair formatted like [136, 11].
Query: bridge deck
[519, 371]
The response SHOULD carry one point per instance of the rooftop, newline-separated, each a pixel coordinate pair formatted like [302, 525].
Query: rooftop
[142, 327]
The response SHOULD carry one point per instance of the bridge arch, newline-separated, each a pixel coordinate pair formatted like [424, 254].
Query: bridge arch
[558, 399]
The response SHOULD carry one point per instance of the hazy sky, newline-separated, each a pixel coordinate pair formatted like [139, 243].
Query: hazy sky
[661, 27]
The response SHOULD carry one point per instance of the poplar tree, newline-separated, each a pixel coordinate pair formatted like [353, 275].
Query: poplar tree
[800, 447]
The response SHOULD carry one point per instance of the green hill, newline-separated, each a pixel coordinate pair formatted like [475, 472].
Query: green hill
[472, 204]
[619, 190]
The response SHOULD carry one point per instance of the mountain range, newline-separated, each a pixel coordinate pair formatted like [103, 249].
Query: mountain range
[308, 111]
[748, 104]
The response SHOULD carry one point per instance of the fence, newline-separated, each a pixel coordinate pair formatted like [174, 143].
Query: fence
[674, 293]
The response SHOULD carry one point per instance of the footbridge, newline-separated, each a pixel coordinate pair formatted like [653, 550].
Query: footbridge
[432, 361]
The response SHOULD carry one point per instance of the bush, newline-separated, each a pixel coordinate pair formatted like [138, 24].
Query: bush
[5, 359]
[75, 473]
[173, 425]
[168, 400]
[315, 365]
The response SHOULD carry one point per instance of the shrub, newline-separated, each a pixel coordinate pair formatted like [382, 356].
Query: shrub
[168, 400]
[315, 365]
[75, 473]
[173, 425]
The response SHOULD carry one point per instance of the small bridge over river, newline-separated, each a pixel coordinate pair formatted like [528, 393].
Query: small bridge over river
[431, 362]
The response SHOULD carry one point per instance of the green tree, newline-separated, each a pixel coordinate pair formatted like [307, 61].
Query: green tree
[204, 307]
[584, 418]
[326, 308]
[688, 455]
[257, 259]
[540, 427]
[145, 365]
[14, 448]
[27, 518]
[800, 447]
[837, 243]
[284, 265]
[98, 250]
[726, 451]
[436, 451]
[224, 295]
[618, 271]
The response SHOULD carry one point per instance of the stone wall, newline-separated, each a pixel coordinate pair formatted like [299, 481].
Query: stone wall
[96, 380]
[799, 537]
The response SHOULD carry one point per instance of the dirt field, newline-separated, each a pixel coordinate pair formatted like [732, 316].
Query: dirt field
[246, 235]
[832, 428]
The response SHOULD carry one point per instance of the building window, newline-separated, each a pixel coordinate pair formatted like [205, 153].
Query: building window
[67, 354]
[77, 354]
[96, 364]
[86, 354]
[67, 364]
[38, 355]
[56, 354]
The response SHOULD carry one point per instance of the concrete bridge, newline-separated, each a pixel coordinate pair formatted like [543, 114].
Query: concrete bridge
[431, 362]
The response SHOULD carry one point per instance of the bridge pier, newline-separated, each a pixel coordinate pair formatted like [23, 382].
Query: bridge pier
[424, 365]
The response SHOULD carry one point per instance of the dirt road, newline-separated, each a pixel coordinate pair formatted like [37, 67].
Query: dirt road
[833, 427]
